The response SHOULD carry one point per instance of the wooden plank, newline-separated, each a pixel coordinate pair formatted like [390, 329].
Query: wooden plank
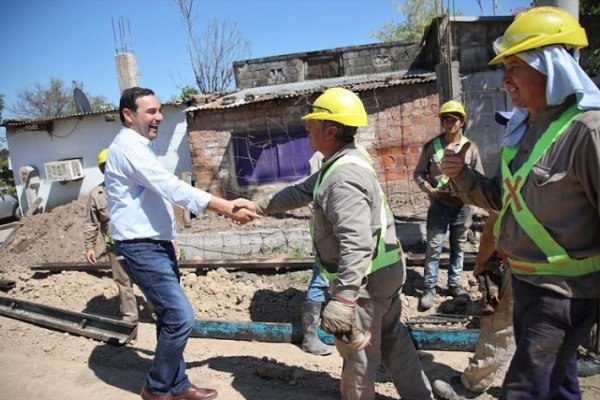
[229, 264]
[235, 263]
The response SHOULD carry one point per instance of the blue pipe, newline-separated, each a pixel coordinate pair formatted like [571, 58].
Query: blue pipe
[275, 332]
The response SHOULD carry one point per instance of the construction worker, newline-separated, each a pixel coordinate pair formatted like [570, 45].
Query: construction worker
[547, 194]
[97, 222]
[316, 294]
[446, 210]
[495, 345]
[355, 245]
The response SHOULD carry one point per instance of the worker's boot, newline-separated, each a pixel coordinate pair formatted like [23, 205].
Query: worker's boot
[454, 390]
[426, 301]
[311, 313]
[588, 364]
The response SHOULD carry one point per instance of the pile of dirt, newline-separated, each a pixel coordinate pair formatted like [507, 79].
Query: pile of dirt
[274, 296]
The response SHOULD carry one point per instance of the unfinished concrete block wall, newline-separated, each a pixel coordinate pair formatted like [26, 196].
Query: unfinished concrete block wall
[330, 63]
[401, 120]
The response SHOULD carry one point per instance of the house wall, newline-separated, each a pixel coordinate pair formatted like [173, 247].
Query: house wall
[83, 137]
[484, 94]
[401, 120]
[345, 61]
[472, 39]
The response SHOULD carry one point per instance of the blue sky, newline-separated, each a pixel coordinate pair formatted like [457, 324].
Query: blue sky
[73, 39]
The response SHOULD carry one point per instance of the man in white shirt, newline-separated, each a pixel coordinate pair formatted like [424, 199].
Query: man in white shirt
[141, 194]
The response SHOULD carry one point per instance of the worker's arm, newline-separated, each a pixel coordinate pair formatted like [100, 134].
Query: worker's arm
[422, 170]
[91, 227]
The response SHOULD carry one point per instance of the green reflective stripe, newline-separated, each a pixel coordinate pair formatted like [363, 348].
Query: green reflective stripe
[439, 152]
[329, 275]
[559, 261]
[383, 258]
[108, 238]
[570, 267]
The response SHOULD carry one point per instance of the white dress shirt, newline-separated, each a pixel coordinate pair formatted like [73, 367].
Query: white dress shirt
[141, 191]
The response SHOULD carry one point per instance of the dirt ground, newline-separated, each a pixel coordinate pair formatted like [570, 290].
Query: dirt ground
[38, 362]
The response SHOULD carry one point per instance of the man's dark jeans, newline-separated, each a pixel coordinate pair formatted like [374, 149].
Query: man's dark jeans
[152, 265]
[548, 329]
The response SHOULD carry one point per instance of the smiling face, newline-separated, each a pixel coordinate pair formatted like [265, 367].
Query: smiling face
[452, 124]
[146, 118]
[525, 85]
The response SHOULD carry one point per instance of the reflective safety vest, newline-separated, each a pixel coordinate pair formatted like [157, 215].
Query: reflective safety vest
[439, 152]
[558, 260]
[381, 257]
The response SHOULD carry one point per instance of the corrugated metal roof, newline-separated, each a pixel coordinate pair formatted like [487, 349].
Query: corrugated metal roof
[23, 122]
[355, 83]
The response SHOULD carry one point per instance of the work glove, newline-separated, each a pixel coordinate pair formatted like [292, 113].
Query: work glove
[490, 281]
[489, 293]
[338, 315]
[338, 318]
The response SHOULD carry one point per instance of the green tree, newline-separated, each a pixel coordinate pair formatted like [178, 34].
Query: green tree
[589, 7]
[592, 64]
[418, 15]
[52, 100]
[187, 92]
[6, 175]
[1, 105]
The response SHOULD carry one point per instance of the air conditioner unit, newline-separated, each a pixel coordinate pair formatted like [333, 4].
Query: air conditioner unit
[66, 170]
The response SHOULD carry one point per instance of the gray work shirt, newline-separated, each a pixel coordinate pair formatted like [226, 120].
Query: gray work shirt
[346, 220]
[428, 171]
[563, 193]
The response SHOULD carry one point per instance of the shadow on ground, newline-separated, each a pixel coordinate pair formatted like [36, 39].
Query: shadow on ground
[260, 379]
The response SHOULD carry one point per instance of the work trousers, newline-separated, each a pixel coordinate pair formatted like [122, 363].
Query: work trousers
[378, 311]
[496, 344]
[152, 265]
[548, 329]
[440, 219]
[127, 301]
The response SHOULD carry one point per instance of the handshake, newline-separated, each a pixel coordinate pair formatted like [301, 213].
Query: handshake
[242, 211]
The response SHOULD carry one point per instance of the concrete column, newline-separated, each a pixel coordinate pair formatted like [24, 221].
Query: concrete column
[572, 6]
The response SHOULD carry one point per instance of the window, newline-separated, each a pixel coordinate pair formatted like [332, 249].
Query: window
[267, 158]
[322, 67]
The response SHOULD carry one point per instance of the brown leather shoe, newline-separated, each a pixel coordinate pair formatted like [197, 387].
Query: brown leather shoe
[196, 393]
[148, 395]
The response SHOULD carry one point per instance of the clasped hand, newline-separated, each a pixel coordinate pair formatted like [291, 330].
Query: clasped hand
[244, 211]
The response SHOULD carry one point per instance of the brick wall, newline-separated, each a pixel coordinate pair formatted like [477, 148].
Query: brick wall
[401, 119]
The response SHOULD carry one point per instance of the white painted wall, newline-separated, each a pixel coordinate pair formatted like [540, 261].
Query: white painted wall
[83, 137]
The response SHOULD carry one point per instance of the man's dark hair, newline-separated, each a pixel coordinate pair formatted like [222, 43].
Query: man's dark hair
[128, 98]
[345, 133]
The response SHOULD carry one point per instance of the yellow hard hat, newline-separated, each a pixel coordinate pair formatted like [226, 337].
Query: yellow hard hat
[452, 107]
[102, 156]
[539, 27]
[339, 105]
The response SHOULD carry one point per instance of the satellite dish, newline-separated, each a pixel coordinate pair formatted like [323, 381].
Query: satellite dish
[81, 101]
